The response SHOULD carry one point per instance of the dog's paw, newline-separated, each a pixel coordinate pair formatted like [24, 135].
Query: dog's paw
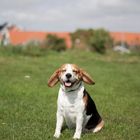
[76, 136]
[56, 135]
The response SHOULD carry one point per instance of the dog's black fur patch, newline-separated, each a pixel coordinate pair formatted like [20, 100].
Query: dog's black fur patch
[91, 110]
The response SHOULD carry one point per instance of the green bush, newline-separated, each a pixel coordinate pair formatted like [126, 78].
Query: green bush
[52, 42]
[80, 38]
[10, 50]
[95, 40]
[100, 40]
[27, 50]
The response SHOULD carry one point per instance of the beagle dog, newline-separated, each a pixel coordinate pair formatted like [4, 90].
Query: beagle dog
[74, 104]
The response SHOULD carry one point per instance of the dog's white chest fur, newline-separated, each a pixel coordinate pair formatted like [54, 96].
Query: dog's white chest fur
[70, 105]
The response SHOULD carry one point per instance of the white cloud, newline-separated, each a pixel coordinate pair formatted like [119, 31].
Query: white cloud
[66, 15]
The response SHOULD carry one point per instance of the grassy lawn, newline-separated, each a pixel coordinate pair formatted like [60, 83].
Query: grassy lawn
[28, 106]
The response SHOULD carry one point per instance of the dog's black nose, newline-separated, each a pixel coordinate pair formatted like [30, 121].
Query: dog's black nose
[68, 75]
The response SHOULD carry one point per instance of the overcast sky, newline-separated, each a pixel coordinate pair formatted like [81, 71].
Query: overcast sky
[68, 15]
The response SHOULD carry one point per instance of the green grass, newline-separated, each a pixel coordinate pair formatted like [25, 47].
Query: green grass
[28, 106]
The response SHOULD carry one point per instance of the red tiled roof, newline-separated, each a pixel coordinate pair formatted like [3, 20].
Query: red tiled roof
[130, 38]
[21, 37]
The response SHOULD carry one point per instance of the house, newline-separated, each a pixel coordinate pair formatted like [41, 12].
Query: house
[22, 37]
[17, 36]
[4, 34]
[132, 39]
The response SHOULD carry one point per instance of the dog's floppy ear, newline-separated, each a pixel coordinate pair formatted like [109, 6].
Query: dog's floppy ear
[54, 78]
[86, 77]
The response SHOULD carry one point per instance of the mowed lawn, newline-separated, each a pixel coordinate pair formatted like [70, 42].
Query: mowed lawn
[28, 105]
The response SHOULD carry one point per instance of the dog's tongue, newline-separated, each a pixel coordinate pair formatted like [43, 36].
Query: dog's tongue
[67, 84]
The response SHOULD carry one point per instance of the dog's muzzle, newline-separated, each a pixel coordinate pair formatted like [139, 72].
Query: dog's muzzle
[68, 82]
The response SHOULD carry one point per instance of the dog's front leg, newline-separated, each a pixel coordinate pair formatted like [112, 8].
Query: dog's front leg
[79, 124]
[59, 124]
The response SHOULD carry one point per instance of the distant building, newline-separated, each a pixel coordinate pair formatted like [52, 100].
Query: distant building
[21, 37]
[4, 34]
[16, 36]
[132, 39]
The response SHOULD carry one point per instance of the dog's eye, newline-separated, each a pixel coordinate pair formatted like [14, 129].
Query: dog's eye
[64, 70]
[75, 71]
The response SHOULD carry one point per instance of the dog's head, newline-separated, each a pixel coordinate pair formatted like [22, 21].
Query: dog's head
[69, 75]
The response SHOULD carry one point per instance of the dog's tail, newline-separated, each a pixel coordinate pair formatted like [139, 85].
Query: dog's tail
[98, 127]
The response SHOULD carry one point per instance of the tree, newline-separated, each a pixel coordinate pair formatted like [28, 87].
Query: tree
[95, 40]
[80, 38]
[100, 40]
[55, 43]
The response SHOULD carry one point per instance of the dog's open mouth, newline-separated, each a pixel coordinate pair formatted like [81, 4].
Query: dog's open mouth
[68, 83]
